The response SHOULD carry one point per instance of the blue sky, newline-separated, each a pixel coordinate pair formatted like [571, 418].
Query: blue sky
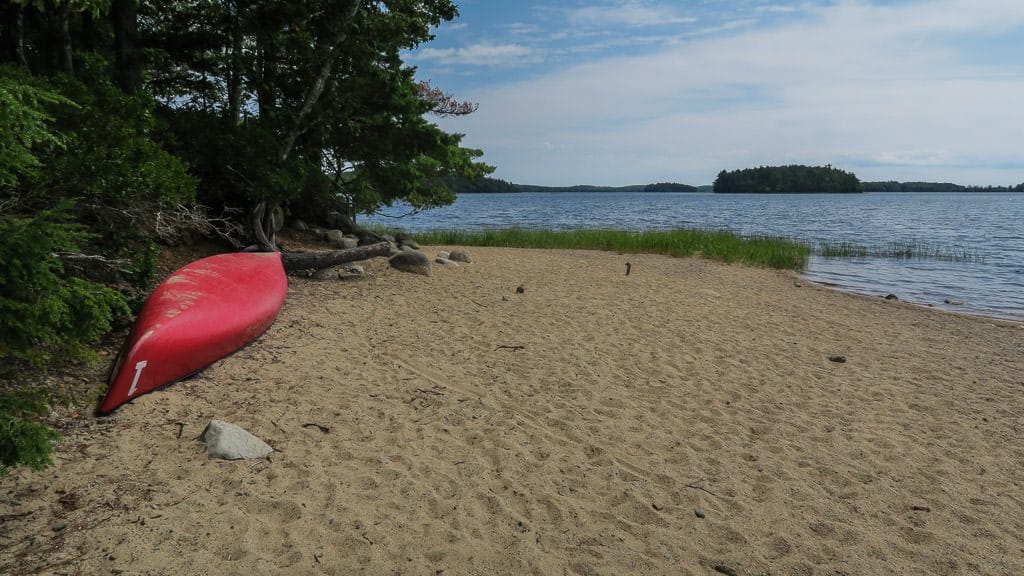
[631, 91]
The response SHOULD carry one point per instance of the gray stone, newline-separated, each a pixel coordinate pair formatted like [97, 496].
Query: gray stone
[325, 274]
[354, 269]
[443, 254]
[413, 262]
[339, 240]
[460, 255]
[388, 238]
[410, 243]
[299, 224]
[446, 262]
[699, 512]
[229, 442]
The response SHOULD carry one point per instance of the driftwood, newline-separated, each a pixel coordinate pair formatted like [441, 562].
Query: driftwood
[316, 260]
[264, 227]
[266, 222]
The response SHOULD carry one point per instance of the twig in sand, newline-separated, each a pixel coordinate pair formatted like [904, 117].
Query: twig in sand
[433, 391]
[513, 347]
[696, 487]
[15, 516]
[324, 429]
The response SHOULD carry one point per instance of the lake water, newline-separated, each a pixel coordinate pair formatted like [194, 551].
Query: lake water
[989, 226]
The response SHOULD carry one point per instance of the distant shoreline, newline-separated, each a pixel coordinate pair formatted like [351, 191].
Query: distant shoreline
[708, 190]
[496, 186]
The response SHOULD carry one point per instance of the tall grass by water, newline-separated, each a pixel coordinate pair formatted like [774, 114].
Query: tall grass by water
[721, 245]
[899, 250]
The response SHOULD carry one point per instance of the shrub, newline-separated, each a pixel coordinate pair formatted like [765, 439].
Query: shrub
[22, 439]
[43, 312]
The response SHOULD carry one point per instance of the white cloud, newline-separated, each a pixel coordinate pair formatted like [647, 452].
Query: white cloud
[876, 86]
[628, 13]
[482, 54]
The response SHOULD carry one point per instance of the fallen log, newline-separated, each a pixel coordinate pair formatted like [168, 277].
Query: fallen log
[316, 260]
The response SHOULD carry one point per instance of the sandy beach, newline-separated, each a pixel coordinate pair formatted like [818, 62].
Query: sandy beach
[684, 419]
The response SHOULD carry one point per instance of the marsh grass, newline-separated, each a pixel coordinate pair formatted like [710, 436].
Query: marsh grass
[899, 250]
[724, 246]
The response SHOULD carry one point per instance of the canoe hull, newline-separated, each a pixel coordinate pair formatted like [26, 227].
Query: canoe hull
[203, 312]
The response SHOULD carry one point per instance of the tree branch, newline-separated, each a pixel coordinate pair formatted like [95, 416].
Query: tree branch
[293, 261]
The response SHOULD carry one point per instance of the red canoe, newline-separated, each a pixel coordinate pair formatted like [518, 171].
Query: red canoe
[198, 315]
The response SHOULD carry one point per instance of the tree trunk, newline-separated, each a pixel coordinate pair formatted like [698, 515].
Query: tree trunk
[14, 35]
[265, 76]
[129, 67]
[316, 260]
[64, 30]
[235, 76]
[264, 227]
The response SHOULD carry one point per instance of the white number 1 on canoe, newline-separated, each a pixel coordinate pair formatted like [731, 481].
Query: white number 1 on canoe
[138, 372]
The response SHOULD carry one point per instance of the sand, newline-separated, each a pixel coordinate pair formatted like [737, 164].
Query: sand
[684, 419]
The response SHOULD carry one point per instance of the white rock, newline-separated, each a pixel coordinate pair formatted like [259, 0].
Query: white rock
[229, 442]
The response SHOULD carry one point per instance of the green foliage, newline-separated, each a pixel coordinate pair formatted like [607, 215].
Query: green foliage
[793, 179]
[112, 164]
[236, 164]
[23, 127]
[22, 439]
[361, 143]
[43, 312]
[772, 252]
[93, 7]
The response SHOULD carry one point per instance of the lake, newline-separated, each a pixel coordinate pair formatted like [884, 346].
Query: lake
[987, 226]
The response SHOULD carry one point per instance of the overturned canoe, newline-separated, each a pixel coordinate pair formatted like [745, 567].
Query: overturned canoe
[198, 315]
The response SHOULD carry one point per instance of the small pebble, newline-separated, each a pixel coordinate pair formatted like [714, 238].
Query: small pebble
[723, 569]
[838, 359]
[58, 526]
[892, 297]
[520, 289]
[699, 512]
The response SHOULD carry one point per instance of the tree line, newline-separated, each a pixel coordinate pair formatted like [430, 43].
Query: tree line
[487, 185]
[792, 179]
[126, 123]
[893, 186]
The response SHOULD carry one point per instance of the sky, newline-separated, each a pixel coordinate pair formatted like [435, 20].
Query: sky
[617, 92]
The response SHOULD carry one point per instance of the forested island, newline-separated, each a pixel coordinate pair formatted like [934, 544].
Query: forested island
[792, 179]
